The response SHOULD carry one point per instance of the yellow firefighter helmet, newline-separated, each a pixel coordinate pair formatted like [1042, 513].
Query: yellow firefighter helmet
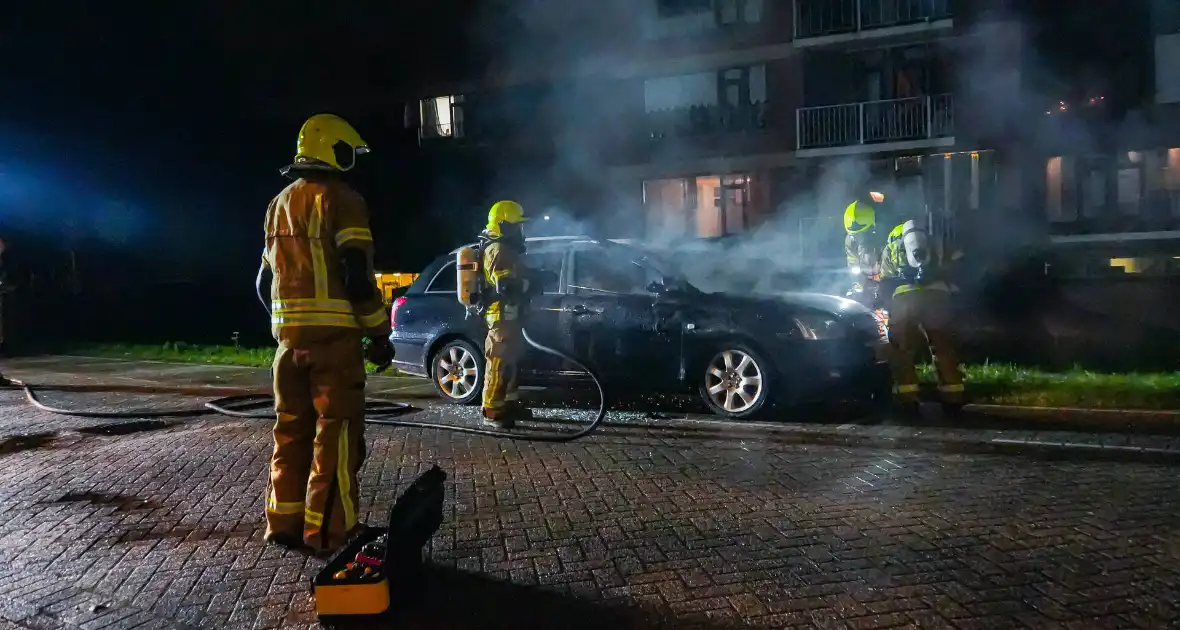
[859, 217]
[329, 139]
[504, 212]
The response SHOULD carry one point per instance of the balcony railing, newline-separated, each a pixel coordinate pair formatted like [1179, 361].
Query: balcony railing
[699, 120]
[875, 122]
[815, 18]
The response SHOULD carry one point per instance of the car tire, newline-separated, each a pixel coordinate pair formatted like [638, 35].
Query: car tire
[456, 370]
[745, 379]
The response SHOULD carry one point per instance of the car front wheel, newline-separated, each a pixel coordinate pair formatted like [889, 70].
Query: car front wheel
[457, 372]
[736, 383]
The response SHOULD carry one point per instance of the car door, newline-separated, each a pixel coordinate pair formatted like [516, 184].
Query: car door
[611, 320]
[543, 318]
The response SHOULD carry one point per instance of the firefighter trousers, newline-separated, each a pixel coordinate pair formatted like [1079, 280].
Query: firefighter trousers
[916, 317]
[319, 444]
[502, 350]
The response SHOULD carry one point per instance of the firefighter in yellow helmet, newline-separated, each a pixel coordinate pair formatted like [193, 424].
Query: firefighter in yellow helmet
[508, 287]
[862, 248]
[914, 270]
[327, 317]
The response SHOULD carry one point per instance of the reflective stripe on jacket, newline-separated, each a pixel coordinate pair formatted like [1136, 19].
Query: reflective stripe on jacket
[306, 226]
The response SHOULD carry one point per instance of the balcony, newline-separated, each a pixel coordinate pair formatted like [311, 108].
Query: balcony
[819, 18]
[910, 120]
[705, 120]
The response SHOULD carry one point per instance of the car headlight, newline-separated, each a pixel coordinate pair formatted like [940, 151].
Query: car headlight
[854, 271]
[819, 327]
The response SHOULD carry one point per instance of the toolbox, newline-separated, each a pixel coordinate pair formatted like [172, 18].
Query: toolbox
[349, 588]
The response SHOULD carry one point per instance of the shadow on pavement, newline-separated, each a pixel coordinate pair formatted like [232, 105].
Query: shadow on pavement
[18, 443]
[127, 428]
[121, 502]
[458, 600]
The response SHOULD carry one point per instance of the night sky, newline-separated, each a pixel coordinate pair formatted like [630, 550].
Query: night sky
[159, 131]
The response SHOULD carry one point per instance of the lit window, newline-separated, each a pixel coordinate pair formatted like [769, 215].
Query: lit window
[1053, 190]
[442, 117]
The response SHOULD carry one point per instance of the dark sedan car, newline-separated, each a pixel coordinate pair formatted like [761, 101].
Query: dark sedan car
[645, 328]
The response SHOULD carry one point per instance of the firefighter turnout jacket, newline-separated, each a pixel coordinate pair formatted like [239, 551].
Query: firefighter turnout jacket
[307, 225]
[864, 260]
[507, 279]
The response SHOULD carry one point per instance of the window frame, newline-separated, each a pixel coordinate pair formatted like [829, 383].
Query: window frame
[564, 254]
[455, 105]
[572, 263]
[430, 290]
[664, 12]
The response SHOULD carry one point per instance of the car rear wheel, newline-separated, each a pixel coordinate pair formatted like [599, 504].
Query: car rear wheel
[457, 372]
[736, 383]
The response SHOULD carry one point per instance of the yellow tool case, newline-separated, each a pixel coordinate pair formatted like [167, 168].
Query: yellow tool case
[345, 590]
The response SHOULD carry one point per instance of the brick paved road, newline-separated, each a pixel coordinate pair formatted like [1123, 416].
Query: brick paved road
[637, 527]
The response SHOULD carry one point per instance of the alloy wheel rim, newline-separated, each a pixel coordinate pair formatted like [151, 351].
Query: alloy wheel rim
[456, 372]
[733, 381]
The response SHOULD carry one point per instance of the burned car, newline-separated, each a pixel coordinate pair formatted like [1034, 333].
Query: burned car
[645, 328]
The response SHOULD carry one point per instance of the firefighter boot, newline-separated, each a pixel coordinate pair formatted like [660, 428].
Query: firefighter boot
[501, 418]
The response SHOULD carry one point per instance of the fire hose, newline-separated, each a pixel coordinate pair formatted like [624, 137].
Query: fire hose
[261, 406]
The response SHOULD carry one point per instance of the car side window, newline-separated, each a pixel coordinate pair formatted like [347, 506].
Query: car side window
[445, 280]
[550, 264]
[595, 272]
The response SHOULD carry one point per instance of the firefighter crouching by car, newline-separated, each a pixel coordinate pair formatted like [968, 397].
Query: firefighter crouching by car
[324, 305]
[507, 284]
[913, 271]
[862, 249]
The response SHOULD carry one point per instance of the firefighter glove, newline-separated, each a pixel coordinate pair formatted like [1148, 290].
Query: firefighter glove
[379, 352]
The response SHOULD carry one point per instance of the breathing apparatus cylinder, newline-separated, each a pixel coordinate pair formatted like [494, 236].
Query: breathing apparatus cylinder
[468, 277]
[916, 240]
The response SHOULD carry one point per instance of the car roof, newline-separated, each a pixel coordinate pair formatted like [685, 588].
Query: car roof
[565, 239]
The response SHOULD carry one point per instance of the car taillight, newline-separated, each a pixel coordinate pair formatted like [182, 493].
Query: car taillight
[393, 311]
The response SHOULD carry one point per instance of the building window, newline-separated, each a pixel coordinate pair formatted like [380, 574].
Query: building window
[731, 12]
[674, 8]
[671, 204]
[442, 117]
[693, 18]
[1094, 192]
[1172, 180]
[1054, 202]
[1130, 188]
[686, 90]
[732, 99]
[1167, 74]
[702, 207]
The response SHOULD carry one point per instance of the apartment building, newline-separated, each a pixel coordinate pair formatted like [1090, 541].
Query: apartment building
[822, 101]
[720, 117]
[1113, 208]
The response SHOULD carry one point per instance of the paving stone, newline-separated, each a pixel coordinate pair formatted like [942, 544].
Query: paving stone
[687, 529]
